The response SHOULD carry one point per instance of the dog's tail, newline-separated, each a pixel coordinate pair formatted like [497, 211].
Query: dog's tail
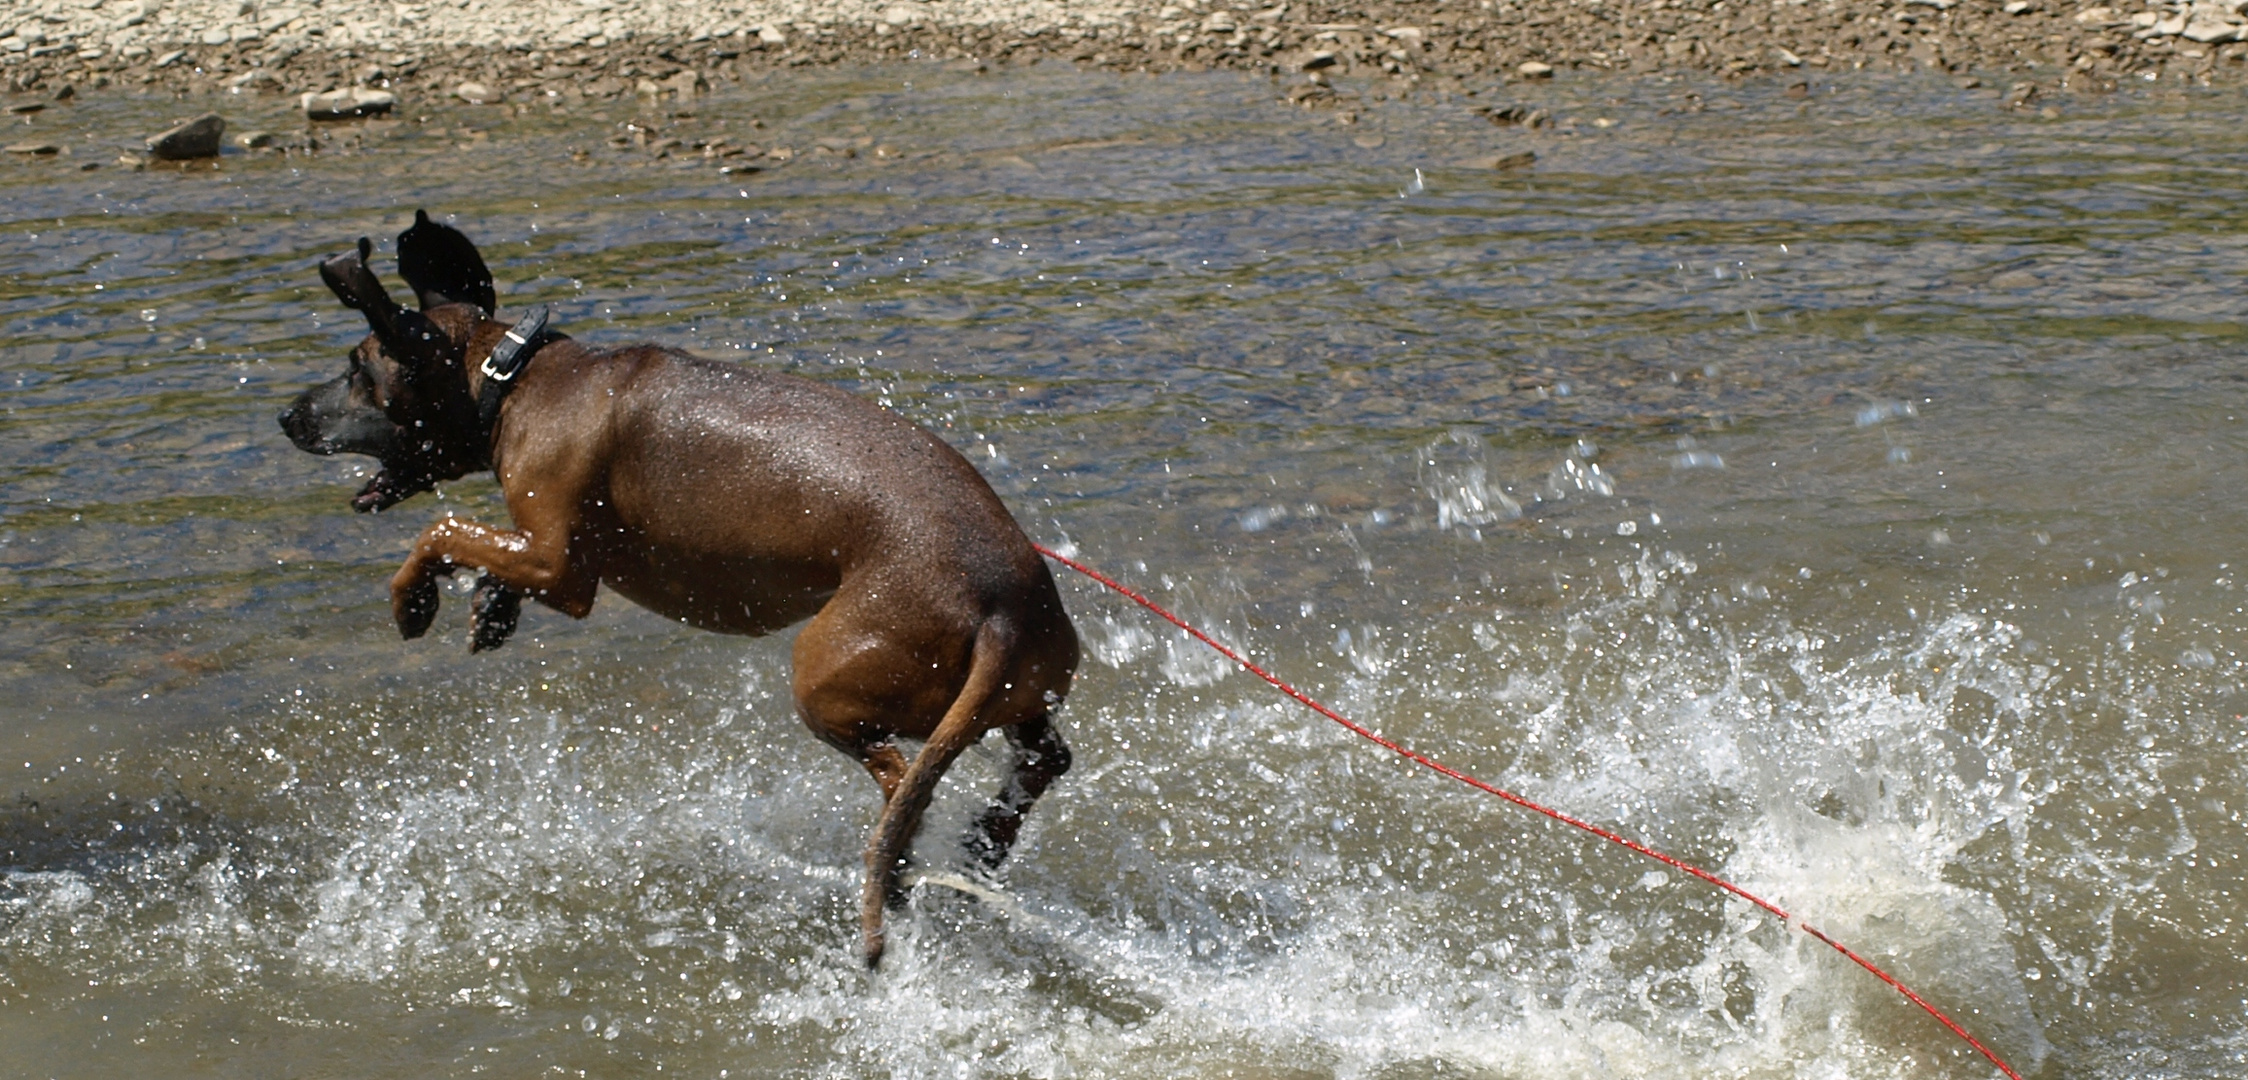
[961, 727]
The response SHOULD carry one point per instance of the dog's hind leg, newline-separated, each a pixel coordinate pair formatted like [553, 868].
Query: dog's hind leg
[884, 763]
[496, 608]
[962, 725]
[1038, 757]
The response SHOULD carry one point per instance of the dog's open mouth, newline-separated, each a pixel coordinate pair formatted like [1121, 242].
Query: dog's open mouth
[386, 490]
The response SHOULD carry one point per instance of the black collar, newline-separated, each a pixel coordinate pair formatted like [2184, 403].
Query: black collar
[508, 360]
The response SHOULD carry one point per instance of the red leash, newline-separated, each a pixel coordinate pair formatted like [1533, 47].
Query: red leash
[1419, 759]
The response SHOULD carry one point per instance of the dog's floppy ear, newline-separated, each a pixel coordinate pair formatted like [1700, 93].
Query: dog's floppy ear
[357, 286]
[443, 266]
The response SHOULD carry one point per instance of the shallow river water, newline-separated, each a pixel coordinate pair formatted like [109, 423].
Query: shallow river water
[1839, 493]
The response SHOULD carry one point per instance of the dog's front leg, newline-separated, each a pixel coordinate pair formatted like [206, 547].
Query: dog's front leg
[535, 561]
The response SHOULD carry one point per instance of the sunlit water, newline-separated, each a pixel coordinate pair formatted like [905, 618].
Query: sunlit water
[1842, 494]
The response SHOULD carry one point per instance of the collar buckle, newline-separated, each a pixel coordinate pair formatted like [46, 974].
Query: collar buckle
[509, 356]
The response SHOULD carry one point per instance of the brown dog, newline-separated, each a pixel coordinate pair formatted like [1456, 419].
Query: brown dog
[729, 498]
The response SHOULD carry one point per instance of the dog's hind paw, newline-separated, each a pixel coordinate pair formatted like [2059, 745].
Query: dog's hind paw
[495, 608]
[414, 607]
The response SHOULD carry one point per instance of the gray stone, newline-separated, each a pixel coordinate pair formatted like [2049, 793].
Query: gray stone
[256, 79]
[1532, 69]
[686, 83]
[35, 149]
[476, 93]
[197, 138]
[348, 103]
[1505, 162]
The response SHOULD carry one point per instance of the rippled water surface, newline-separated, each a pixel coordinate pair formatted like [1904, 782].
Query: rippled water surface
[1842, 493]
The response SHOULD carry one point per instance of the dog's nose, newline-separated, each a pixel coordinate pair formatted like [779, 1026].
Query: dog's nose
[297, 425]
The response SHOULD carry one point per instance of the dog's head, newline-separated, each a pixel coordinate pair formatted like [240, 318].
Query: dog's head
[403, 397]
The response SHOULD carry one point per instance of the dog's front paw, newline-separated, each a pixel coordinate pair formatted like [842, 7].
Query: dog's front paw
[495, 608]
[413, 606]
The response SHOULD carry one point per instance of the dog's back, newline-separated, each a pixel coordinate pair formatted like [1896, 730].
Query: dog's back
[719, 475]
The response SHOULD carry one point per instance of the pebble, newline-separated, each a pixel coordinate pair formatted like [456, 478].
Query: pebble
[255, 79]
[35, 149]
[1532, 69]
[1505, 162]
[476, 93]
[197, 138]
[348, 103]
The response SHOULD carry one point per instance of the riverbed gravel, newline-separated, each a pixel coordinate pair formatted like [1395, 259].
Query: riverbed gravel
[552, 49]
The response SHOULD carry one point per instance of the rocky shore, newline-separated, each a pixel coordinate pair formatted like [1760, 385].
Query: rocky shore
[556, 51]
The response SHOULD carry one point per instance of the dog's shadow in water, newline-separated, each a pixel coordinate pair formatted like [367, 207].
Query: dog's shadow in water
[1014, 938]
[136, 844]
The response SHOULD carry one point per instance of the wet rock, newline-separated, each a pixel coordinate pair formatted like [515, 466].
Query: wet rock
[1518, 116]
[197, 138]
[1368, 141]
[1320, 58]
[26, 108]
[256, 79]
[1505, 162]
[346, 104]
[254, 140]
[1533, 69]
[35, 149]
[476, 93]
